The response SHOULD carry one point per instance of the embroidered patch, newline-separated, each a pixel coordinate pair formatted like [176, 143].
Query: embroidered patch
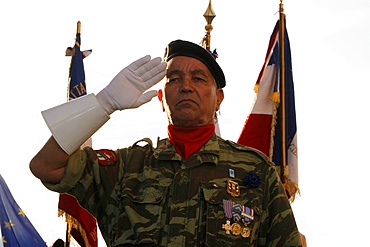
[106, 157]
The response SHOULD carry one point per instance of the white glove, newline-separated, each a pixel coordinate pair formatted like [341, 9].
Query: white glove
[127, 88]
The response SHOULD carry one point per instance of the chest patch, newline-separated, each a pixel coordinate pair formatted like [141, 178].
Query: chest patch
[106, 157]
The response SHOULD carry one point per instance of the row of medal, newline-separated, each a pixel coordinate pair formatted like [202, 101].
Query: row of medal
[242, 216]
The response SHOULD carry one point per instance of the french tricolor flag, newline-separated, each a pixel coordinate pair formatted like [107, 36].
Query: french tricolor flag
[262, 129]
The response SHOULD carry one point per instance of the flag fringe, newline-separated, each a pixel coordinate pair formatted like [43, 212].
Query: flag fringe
[275, 97]
[256, 87]
[74, 224]
[291, 189]
[272, 134]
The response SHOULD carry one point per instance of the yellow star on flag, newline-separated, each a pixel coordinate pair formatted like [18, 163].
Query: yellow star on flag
[21, 213]
[9, 224]
[4, 241]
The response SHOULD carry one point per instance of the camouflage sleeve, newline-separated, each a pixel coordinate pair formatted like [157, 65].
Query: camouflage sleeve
[88, 179]
[279, 226]
[74, 171]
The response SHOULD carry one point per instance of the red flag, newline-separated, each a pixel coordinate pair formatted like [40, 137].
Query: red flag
[81, 224]
[264, 128]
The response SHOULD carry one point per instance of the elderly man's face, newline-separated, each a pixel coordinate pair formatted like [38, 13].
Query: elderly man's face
[191, 96]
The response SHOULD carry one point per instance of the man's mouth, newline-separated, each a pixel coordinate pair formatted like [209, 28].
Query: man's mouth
[186, 102]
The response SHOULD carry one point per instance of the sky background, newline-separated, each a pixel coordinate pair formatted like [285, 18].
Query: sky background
[330, 55]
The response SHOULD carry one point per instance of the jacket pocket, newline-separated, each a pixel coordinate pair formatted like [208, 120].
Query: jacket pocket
[141, 199]
[223, 230]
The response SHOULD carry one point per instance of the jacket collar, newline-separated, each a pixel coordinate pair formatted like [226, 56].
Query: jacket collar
[208, 153]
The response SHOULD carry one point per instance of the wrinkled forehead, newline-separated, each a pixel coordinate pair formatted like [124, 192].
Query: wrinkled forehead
[183, 65]
[187, 64]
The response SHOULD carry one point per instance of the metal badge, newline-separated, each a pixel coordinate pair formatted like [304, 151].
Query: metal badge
[231, 173]
[236, 229]
[227, 227]
[233, 188]
[246, 232]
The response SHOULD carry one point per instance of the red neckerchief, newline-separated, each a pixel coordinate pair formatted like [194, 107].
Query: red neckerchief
[189, 140]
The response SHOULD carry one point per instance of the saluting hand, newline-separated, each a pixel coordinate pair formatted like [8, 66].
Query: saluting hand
[128, 88]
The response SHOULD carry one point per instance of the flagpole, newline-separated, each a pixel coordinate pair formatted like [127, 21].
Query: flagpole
[282, 90]
[78, 32]
[67, 236]
[209, 15]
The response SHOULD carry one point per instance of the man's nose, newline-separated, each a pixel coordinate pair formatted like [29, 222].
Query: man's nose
[186, 85]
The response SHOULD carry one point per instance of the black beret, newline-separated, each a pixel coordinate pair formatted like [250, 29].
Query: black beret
[189, 49]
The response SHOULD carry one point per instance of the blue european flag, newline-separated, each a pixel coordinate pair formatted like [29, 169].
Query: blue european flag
[16, 229]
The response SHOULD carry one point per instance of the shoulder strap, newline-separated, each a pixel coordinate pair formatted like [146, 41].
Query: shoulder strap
[147, 140]
[138, 156]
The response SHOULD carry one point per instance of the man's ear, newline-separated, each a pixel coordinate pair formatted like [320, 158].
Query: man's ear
[220, 98]
[160, 97]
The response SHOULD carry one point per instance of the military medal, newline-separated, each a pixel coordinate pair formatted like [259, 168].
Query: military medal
[236, 229]
[227, 227]
[247, 214]
[227, 210]
[246, 232]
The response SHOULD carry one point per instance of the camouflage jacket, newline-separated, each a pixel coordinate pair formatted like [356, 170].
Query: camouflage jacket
[149, 196]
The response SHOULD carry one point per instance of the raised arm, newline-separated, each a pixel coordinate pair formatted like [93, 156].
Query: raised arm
[49, 163]
[73, 122]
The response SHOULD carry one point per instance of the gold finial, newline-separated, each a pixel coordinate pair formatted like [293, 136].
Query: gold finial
[209, 15]
[78, 27]
[281, 7]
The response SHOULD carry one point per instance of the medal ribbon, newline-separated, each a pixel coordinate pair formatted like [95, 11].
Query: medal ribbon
[248, 214]
[237, 210]
[228, 205]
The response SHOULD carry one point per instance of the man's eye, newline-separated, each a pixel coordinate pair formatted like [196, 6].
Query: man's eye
[199, 79]
[174, 79]
[169, 80]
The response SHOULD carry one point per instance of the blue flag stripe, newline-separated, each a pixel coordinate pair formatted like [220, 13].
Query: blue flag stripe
[77, 84]
[291, 126]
